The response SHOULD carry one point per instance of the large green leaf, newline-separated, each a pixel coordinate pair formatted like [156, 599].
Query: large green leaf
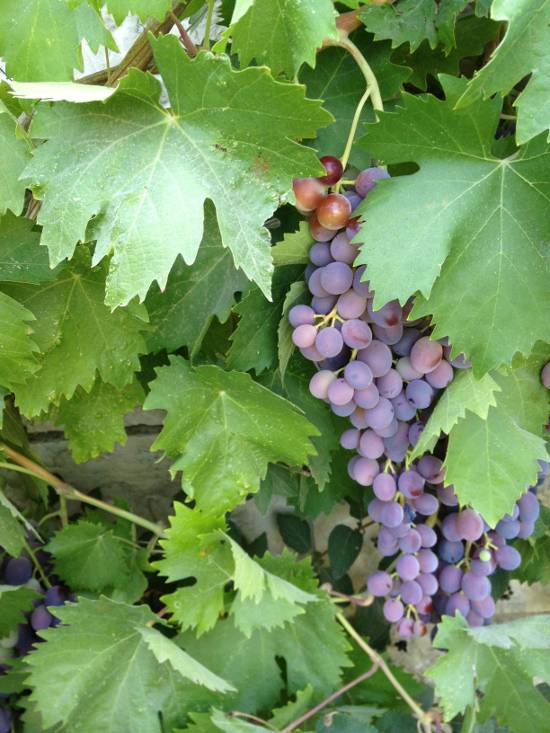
[22, 260]
[483, 270]
[12, 536]
[145, 171]
[144, 9]
[93, 422]
[40, 39]
[523, 51]
[18, 348]
[223, 429]
[14, 154]
[14, 603]
[112, 671]
[181, 314]
[282, 34]
[77, 335]
[500, 661]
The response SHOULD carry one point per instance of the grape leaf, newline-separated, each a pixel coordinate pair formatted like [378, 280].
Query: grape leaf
[144, 9]
[12, 537]
[14, 603]
[243, 121]
[181, 314]
[108, 669]
[21, 257]
[223, 429]
[535, 552]
[294, 249]
[89, 556]
[78, 335]
[297, 293]
[19, 351]
[344, 545]
[464, 393]
[488, 263]
[283, 716]
[40, 39]
[283, 34]
[254, 341]
[528, 31]
[93, 422]
[494, 660]
[500, 452]
[412, 21]
[14, 154]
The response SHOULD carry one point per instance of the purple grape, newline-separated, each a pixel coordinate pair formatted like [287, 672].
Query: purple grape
[350, 439]
[5, 720]
[358, 375]
[431, 468]
[320, 254]
[41, 618]
[353, 198]
[336, 278]
[18, 571]
[371, 445]
[411, 592]
[390, 430]
[426, 504]
[304, 336]
[379, 584]
[388, 316]
[526, 529]
[427, 534]
[425, 606]
[55, 596]
[350, 305]
[415, 431]
[384, 486]
[529, 507]
[406, 370]
[475, 587]
[323, 306]
[339, 392]
[407, 567]
[426, 355]
[419, 393]
[411, 542]
[451, 552]
[344, 410]
[508, 558]
[450, 579]
[457, 603]
[341, 250]
[301, 315]
[428, 583]
[320, 382]
[410, 483]
[358, 417]
[389, 385]
[447, 496]
[378, 356]
[441, 376]
[428, 561]
[387, 548]
[508, 530]
[381, 415]
[485, 608]
[329, 341]
[315, 285]
[404, 345]
[311, 354]
[404, 410]
[482, 567]
[388, 335]
[449, 528]
[405, 627]
[402, 529]
[393, 610]
[365, 470]
[366, 180]
[474, 619]
[391, 514]
[357, 335]
[396, 446]
[368, 397]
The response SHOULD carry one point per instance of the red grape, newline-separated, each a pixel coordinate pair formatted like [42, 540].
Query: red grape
[333, 169]
[334, 211]
[309, 193]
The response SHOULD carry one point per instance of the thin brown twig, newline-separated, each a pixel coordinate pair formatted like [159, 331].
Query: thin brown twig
[184, 36]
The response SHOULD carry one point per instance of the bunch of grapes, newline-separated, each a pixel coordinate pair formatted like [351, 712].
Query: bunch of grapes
[383, 372]
[18, 571]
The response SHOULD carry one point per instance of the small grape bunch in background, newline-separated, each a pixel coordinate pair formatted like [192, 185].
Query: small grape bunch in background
[383, 373]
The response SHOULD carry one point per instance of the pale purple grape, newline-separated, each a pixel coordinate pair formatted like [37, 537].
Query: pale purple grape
[447, 496]
[406, 370]
[428, 583]
[320, 254]
[357, 335]
[475, 587]
[407, 567]
[426, 355]
[545, 375]
[401, 529]
[350, 305]
[404, 345]
[426, 504]
[404, 410]
[323, 306]
[457, 603]
[339, 392]
[336, 278]
[389, 315]
[508, 558]
[361, 288]
[393, 610]
[341, 249]
[358, 417]
[308, 272]
[405, 627]
[358, 375]
[391, 514]
[388, 335]
[304, 336]
[509, 530]
[40, 618]
[526, 529]
[381, 415]
[379, 584]
[469, 524]
[311, 354]
[378, 356]
[343, 410]
[428, 535]
[350, 439]
[513, 515]
[354, 199]
[366, 180]
[410, 483]
[389, 385]
[415, 431]
[411, 542]
[351, 466]
[529, 507]
[384, 486]
[365, 470]
[450, 579]
[387, 547]
[425, 606]
[301, 315]
[428, 561]
[441, 376]
[367, 398]
[450, 551]
[431, 468]
[314, 284]
[320, 382]
[396, 446]
[329, 341]
[485, 608]
[411, 592]
[371, 445]
[482, 567]
[449, 528]
[419, 393]
[375, 508]
[474, 620]
[390, 430]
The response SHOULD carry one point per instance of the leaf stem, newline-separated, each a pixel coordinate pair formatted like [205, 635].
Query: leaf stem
[208, 26]
[185, 38]
[344, 42]
[352, 131]
[253, 718]
[37, 565]
[29, 467]
[424, 718]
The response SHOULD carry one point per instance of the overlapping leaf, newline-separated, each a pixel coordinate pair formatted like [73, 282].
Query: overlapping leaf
[18, 348]
[14, 154]
[22, 260]
[144, 9]
[15, 602]
[482, 270]
[222, 430]
[144, 172]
